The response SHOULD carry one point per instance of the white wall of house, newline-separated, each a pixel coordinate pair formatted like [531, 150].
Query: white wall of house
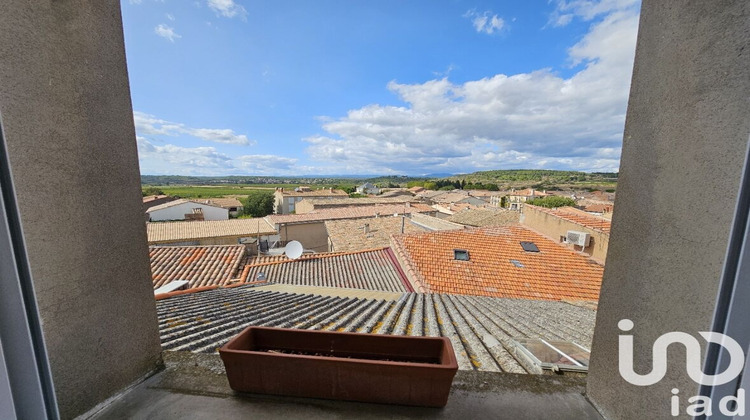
[177, 212]
[368, 189]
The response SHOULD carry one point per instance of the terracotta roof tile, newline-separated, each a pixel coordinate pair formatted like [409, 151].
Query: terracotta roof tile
[165, 232]
[528, 192]
[481, 329]
[314, 193]
[554, 273]
[363, 201]
[349, 234]
[579, 217]
[374, 269]
[150, 198]
[349, 213]
[224, 203]
[484, 217]
[213, 265]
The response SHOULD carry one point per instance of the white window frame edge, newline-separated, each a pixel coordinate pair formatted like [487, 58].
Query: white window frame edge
[732, 311]
[25, 376]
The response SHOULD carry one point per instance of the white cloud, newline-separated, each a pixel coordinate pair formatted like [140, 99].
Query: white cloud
[536, 119]
[486, 22]
[170, 16]
[227, 8]
[146, 125]
[172, 159]
[166, 32]
[566, 10]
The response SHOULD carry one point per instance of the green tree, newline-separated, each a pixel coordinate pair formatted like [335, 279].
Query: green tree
[151, 191]
[552, 201]
[258, 204]
[430, 186]
[345, 188]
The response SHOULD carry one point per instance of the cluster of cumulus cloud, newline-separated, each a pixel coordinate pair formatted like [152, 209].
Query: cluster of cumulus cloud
[534, 120]
[529, 120]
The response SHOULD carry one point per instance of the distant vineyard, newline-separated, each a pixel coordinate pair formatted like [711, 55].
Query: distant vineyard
[207, 187]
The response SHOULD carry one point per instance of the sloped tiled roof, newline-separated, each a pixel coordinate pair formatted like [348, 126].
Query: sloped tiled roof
[224, 203]
[150, 198]
[528, 192]
[167, 205]
[349, 234]
[598, 208]
[200, 265]
[579, 217]
[484, 217]
[374, 269]
[554, 273]
[362, 201]
[314, 193]
[480, 328]
[431, 223]
[165, 232]
[450, 197]
[349, 213]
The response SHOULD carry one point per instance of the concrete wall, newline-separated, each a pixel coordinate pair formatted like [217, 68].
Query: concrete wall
[65, 105]
[312, 236]
[685, 139]
[178, 212]
[555, 227]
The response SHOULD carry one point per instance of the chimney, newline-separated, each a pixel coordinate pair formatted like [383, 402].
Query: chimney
[367, 228]
[408, 204]
[377, 214]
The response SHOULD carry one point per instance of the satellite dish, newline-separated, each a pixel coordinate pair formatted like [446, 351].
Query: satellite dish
[293, 250]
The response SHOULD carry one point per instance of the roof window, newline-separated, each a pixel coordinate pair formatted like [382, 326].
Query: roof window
[517, 263]
[461, 254]
[553, 355]
[529, 246]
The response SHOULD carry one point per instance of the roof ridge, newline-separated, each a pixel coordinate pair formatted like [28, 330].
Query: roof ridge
[318, 256]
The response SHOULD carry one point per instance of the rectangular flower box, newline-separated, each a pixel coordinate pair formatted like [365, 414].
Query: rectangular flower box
[341, 366]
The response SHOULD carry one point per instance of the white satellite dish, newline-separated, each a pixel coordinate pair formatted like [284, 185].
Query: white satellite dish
[293, 250]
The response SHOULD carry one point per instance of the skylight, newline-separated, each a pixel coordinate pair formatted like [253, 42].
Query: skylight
[517, 263]
[529, 246]
[461, 254]
[554, 355]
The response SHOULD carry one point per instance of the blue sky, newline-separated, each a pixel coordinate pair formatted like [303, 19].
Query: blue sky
[233, 87]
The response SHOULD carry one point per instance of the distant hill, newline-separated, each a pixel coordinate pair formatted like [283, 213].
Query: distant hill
[538, 175]
[531, 177]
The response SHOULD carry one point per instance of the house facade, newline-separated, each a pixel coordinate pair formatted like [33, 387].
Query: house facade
[285, 201]
[368, 188]
[516, 199]
[186, 210]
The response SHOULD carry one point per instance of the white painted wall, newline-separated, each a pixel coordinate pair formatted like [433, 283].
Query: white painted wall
[178, 212]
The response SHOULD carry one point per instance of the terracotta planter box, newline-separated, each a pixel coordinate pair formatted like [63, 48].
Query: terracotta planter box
[342, 366]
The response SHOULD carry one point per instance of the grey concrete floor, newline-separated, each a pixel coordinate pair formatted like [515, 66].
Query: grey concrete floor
[194, 386]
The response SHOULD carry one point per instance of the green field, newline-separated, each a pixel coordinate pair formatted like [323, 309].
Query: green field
[208, 187]
[210, 191]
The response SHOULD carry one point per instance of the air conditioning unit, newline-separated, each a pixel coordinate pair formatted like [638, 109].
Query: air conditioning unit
[578, 238]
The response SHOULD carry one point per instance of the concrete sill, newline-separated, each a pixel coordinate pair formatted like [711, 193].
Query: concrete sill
[195, 386]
